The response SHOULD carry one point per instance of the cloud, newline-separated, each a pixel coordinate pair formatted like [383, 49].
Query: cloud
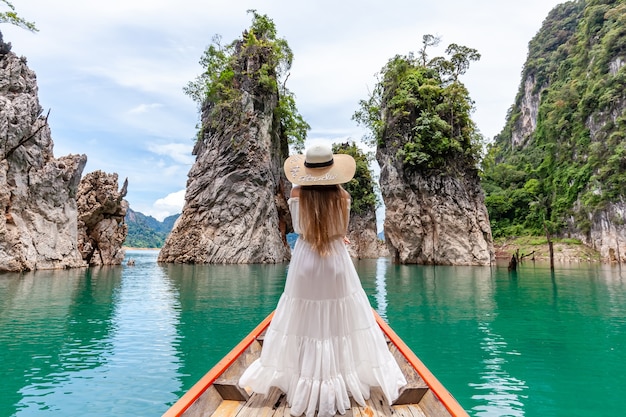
[144, 108]
[179, 152]
[170, 204]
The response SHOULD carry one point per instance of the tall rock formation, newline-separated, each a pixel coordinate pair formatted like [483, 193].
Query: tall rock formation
[559, 160]
[427, 150]
[43, 226]
[364, 241]
[101, 212]
[38, 221]
[235, 204]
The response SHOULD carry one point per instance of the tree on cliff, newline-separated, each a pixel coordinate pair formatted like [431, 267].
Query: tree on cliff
[12, 17]
[428, 149]
[568, 166]
[236, 208]
[217, 85]
[430, 108]
[362, 186]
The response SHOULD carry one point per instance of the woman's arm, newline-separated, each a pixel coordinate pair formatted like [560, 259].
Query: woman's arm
[295, 191]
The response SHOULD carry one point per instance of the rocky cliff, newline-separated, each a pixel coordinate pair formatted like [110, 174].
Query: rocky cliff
[101, 212]
[38, 225]
[558, 164]
[235, 204]
[42, 225]
[434, 218]
[427, 148]
[364, 241]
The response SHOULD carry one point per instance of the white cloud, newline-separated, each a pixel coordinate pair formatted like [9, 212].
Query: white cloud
[171, 204]
[179, 152]
[144, 108]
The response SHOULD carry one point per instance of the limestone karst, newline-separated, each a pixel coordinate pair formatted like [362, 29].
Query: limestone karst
[101, 212]
[235, 203]
[40, 216]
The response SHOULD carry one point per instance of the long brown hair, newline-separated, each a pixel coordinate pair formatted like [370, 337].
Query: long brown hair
[324, 211]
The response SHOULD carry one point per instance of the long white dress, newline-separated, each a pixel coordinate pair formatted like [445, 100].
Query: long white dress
[323, 344]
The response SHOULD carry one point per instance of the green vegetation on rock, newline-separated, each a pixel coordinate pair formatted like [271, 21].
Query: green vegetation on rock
[362, 186]
[428, 107]
[220, 89]
[574, 162]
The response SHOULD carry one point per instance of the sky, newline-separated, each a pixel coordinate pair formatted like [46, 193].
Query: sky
[112, 72]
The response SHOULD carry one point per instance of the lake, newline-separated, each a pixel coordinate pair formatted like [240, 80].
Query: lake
[130, 340]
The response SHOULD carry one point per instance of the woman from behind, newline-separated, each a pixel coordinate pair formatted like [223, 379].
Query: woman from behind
[323, 344]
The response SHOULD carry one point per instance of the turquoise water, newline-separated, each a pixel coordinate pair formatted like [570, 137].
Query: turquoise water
[128, 341]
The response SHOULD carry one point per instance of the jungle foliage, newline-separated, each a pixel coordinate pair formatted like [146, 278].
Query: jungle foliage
[420, 109]
[220, 85]
[574, 162]
[362, 187]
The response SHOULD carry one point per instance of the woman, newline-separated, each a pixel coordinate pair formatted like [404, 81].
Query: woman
[323, 344]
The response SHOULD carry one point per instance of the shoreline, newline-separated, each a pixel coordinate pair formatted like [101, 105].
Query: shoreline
[529, 248]
[536, 248]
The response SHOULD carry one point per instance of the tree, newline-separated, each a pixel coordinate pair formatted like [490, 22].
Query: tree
[427, 40]
[218, 85]
[427, 106]
[362, 187]
[12, 17]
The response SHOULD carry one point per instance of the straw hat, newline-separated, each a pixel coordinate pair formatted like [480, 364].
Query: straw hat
[319, 166]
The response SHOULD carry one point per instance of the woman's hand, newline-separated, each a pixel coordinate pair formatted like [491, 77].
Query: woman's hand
[346, 240]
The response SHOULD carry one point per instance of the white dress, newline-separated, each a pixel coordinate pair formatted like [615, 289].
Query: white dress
[323, 344]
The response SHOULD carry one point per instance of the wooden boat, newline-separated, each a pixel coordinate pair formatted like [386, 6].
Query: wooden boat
[218, 395]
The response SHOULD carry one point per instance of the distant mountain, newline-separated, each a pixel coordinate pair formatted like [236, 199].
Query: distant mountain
[146, 231]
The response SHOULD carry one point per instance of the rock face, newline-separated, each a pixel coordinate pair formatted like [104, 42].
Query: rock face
[529, 108]
[235, 205]
[607, 234]
[437, 219]
[364, 241]
[101, 211]
[38, 225]
[596, 212]
[607, 223]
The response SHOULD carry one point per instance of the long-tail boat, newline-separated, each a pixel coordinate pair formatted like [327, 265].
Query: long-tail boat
[217, 393]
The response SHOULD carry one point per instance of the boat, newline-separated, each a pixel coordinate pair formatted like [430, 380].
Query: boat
[217, 393]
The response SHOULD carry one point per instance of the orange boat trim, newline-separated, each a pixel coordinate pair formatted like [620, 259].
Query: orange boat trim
[209, 378]
[438, 389]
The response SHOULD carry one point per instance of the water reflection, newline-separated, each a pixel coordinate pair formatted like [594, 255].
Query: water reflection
[86, 339]
[55, 324]
[219, 304]
[129, 340]
[499, 393]
[381, 288]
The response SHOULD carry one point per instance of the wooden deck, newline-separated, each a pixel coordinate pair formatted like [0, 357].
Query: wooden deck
[217, 394]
